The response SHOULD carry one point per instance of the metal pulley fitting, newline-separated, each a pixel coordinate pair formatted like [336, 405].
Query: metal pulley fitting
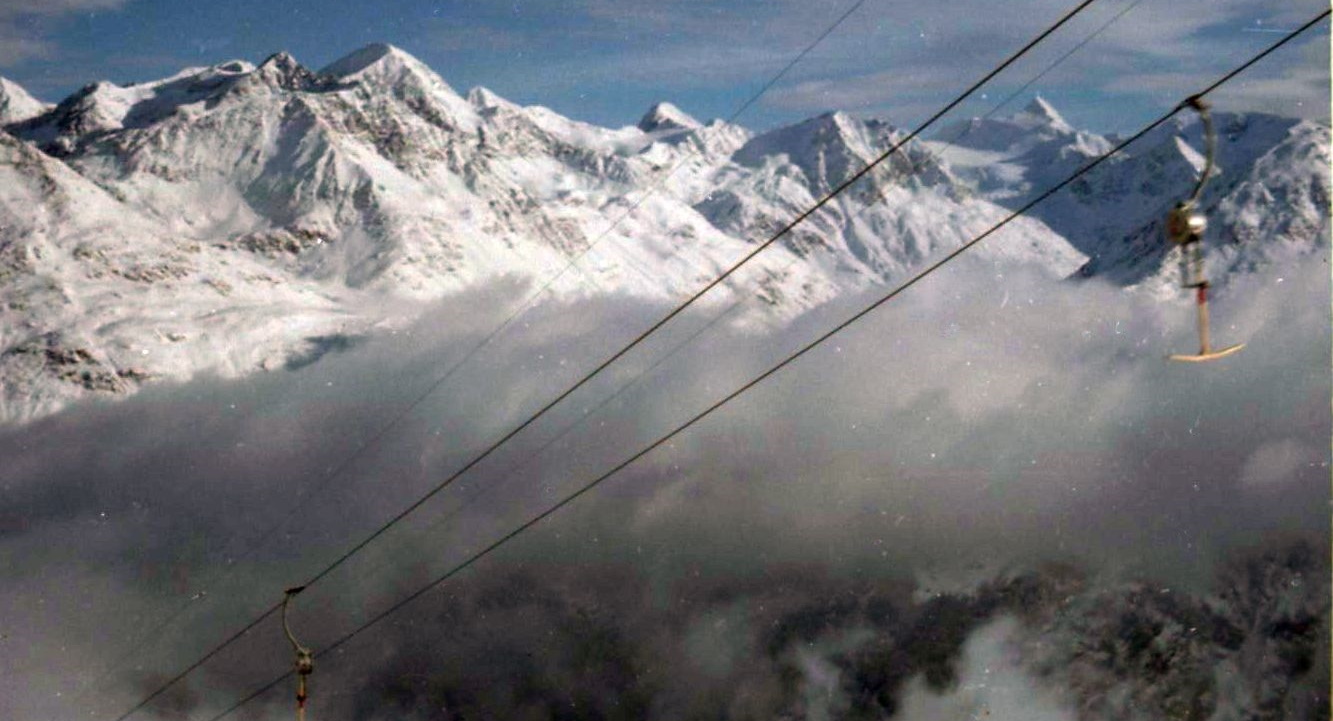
[1185, 225]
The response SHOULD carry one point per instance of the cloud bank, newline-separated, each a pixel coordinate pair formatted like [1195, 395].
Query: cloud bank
[23, 26]
[781, 557]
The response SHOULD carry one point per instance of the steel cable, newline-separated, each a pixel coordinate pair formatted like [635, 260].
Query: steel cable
[898, 290]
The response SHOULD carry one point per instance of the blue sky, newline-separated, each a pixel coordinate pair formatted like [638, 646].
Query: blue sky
[606, 61]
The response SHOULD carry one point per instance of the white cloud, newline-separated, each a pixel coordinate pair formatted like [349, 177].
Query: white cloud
[947, 426]
[992, 686]
[1293, 83]
[23, 26]
[473, 37]
[1278, 463]
[17, 8]
[1157, 51]
[904, 62]
[16, 46]
[883, 89]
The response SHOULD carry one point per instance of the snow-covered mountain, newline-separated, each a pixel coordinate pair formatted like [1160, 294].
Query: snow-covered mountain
[232, 218]
[16, 104]
[1268, 201]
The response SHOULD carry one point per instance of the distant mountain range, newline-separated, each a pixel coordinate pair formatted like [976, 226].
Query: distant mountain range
[227, 218]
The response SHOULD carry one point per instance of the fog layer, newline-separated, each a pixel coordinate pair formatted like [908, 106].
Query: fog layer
[986, 425]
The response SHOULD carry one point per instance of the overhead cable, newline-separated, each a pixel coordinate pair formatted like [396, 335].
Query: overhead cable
[382, 432]
[788, 360]
[588, 413]
[619, 354]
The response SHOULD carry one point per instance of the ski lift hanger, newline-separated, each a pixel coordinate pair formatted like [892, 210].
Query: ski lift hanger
[1185, 227]
[305, 658]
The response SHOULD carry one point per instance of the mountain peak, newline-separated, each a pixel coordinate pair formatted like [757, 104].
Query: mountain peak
[368, 57]
[280, 61]
[827, 129]
[387, 66]
[486, 98]
[665, 116]
[283, 71]
[828, 148]
[16, 104]
[833, 121]
[235, 67]
[1042, 110]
